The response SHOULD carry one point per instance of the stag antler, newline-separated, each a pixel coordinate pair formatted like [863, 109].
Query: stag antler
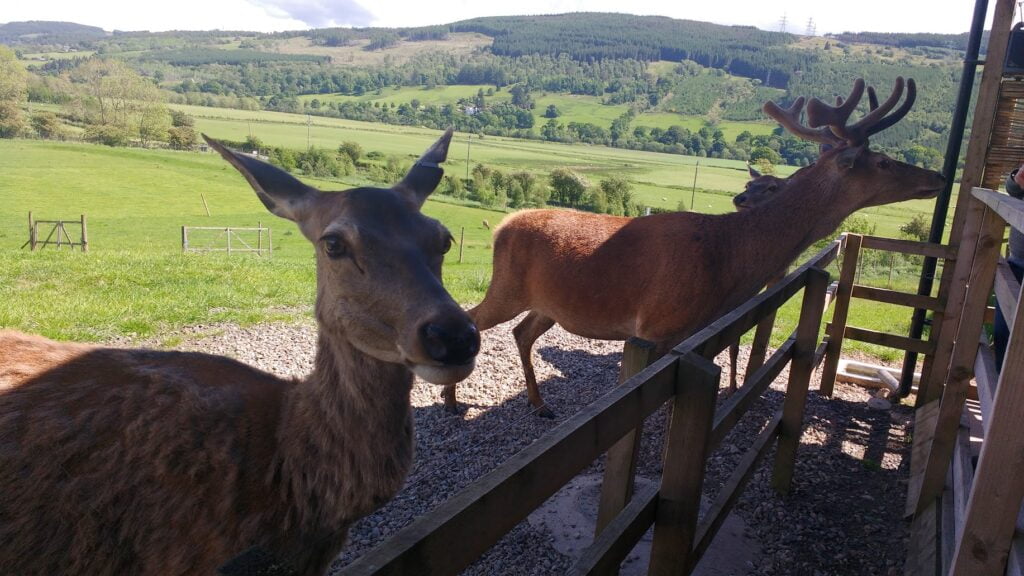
[789, 118]
[835, 117]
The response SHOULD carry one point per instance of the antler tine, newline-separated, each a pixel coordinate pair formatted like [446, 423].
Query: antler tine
[835, 117]
[898, 114]
[789, 118]
[872, 98]
[860, 131]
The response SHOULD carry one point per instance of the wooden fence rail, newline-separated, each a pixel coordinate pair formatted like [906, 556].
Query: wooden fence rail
[481, 514]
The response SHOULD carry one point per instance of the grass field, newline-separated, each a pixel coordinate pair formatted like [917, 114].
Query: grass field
[135, 282]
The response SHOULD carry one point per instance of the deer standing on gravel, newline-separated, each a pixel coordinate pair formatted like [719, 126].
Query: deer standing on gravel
[663, 277]
[150, 462]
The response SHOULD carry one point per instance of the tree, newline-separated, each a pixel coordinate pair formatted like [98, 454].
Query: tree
[182, 137]
[48, 125]
[552, 111]
[351, 149]
[567, 187]
[13, 92]
[619, 194]
[112, 95]
[917, 228]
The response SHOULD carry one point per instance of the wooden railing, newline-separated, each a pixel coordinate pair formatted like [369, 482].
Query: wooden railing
[452, 536]
[837, 331]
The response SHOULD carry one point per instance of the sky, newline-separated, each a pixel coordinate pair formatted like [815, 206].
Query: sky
[798, 16]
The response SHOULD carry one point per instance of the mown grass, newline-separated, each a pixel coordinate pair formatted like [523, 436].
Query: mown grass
[135, 282]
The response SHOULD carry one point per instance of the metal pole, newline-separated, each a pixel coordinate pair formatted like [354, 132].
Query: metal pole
[956, 134]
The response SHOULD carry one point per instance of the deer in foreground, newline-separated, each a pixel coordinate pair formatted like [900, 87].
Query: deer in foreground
[663, 277]
[151, 462]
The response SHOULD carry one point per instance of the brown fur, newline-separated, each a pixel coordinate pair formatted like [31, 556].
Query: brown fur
[662, 277]
[149, 462]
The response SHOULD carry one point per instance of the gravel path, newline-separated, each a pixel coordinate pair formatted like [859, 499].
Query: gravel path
[843, 515]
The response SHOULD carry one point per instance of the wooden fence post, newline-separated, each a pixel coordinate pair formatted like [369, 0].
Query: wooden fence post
[31, 232]
[85, 236]
[462, 243]
[686, 447]
[834, 348]
[259, 238]
[800, 370]
[227, 231]
[620, 465]
[184, 239]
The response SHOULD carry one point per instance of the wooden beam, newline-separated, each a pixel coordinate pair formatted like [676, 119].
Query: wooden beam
[730, 411]
[1009, 208]
[481, 514]
[895, 297]
[1006, 288]
[686, 450]
[733, 487]
[619, 537]
[834, 348]
[800, 370]
[997, 490]
[889, 340]
[620, 465]
[909, 247]
[961, 365]
[987, 377]
[925, 419]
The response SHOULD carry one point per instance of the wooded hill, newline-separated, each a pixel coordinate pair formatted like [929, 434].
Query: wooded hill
[646, 64]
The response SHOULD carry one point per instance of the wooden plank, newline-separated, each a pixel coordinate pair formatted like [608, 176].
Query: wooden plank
[997, 490]
[844, 290]
[1009, 208]
[620, 465]
[947, 526]
[961, 365]
[1007, 289]
[730, 412]
[889, 340]
[686, 450]
[909, 247]
[481, 514]
[611, 547]
[922, 551]
[925, 419]
[762, 337]
[895, 297]
[987, 377]
[733, 488]
[800, 370]
[963, 476]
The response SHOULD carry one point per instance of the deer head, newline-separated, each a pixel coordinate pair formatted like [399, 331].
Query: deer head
[761, 188]
[378, 264]
[859, 176]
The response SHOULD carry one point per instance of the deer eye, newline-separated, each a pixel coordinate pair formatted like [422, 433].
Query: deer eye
[334, 247]
[884, 164]
[448, 240]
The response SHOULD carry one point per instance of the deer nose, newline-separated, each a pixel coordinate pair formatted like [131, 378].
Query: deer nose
[451, 344]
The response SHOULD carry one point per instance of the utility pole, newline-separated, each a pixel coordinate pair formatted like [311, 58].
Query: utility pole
[693, 194]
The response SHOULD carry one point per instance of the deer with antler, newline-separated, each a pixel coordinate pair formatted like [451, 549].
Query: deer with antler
[662, 277]
[145, 462]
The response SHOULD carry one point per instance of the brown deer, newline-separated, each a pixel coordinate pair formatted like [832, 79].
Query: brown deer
[148, 462]
[662, 277]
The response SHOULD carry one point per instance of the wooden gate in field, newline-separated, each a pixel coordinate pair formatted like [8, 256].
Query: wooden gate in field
[58, 228]
[228, 239]
[452, 536]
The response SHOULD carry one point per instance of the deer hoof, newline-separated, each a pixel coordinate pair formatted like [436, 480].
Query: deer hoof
[545, 412]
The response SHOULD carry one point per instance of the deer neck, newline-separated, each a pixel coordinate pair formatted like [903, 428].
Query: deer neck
[346, 438]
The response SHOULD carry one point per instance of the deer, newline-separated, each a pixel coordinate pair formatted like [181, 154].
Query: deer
[663, 277]
[153, 462]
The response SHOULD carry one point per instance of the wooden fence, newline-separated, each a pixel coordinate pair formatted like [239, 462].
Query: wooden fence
[452, 536]
[966, 517]
[227, 239]
[60, 229]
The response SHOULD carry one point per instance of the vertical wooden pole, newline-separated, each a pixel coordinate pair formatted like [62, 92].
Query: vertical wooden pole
[184, 240]
[259, 238]
[762, 337]
[207, 208]
[997, 490]
[620, 466]
[31, 232]
[270, 241]
[800, 371]
[686, 447]
[85, 236]
[839, 314]
[227, 231]
[60, 233]
[462, 242]
[927, 486]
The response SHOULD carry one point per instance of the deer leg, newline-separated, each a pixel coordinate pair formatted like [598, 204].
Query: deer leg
[526, 333]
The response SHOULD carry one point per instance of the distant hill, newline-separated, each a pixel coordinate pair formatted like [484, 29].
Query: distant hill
[45, 32]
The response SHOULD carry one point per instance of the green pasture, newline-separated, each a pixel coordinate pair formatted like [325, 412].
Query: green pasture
[135, 282]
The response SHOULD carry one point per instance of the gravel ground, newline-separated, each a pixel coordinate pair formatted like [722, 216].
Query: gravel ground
[842, 516]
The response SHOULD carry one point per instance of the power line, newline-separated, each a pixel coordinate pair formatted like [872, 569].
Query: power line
[811, 28]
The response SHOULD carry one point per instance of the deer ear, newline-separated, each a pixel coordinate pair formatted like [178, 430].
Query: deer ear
[280, 192]
[426, 173]
[753, 173]
[847, 157]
